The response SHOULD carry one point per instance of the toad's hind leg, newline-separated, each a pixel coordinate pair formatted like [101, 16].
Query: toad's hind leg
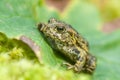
[90, 64]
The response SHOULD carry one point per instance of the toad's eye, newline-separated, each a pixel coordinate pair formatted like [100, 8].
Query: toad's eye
[60, 28]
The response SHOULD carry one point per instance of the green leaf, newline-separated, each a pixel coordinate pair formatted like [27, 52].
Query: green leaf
[21, 17]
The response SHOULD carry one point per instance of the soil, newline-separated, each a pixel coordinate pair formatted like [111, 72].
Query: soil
[111, 26]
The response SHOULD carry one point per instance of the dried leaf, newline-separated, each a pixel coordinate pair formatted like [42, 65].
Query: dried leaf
[33, 46]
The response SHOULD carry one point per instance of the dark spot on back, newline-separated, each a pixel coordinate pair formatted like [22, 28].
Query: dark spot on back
[76, 51]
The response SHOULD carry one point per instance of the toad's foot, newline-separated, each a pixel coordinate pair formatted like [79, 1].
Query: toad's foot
[74, 67]
[69, 66]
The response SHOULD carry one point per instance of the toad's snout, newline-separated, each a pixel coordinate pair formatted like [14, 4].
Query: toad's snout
[41, 27]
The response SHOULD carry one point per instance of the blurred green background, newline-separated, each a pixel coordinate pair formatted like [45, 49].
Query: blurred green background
[98, 21]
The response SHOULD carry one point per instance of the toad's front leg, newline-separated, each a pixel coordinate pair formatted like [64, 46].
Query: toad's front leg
[78, 66]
